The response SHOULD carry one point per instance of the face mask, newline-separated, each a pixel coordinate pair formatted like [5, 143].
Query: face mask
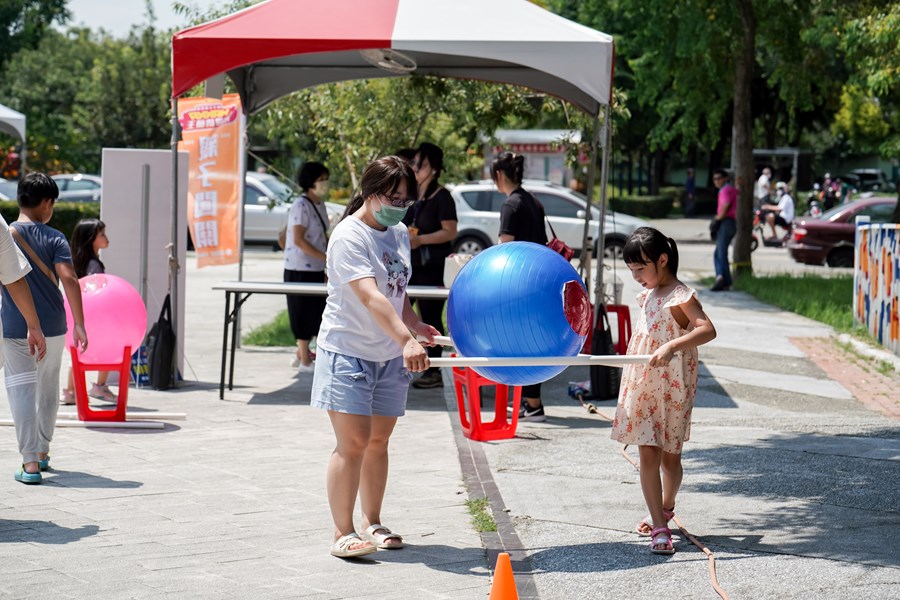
[321, 188]
[388, 216]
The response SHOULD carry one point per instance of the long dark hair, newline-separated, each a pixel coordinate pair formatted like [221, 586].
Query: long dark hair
[435, 158]
[650, 242]
[510, 164]
[83, 236]
[383, 176]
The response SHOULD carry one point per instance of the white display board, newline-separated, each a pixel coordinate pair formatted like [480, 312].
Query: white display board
[121, 209]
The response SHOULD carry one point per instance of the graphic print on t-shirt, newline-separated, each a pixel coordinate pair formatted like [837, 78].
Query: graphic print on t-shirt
[398, 274]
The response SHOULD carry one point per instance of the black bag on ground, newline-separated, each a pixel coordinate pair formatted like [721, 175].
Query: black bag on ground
[604, 380]
[161, 349]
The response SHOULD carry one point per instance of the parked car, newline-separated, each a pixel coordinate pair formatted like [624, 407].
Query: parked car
[830, 239]
[869, 180]
[267, 201]
[8, 189]
[78, 187]
[478, 210]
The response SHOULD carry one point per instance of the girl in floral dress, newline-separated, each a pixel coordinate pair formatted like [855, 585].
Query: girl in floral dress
[656, 399]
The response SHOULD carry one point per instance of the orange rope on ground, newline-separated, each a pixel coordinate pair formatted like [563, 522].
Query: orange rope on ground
[714, 580]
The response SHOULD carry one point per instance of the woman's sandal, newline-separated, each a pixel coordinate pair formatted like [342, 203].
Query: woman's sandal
[342, 548]
[661, 536]
[381, 535]
[645, 527]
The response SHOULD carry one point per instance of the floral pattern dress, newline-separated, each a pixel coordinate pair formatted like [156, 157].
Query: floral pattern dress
[655, 403]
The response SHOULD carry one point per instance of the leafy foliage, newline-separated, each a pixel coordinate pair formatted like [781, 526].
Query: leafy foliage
[83, 91]
[24, 22]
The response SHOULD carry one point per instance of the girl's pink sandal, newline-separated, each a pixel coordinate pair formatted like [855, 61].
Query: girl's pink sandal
[645, 527]
[661, 536]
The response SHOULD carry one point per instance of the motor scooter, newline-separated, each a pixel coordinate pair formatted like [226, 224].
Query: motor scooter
[759, 224]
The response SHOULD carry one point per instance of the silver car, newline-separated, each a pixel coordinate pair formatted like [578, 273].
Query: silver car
[267, 201]
[78, 187]
[478, 210]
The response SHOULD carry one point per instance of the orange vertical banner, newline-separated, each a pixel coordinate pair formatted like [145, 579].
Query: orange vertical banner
[212, 135]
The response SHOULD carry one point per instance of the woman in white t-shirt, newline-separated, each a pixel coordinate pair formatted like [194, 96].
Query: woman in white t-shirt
[304, 258]
[367, 350]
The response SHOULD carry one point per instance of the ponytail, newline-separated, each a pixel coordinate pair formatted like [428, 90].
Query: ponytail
[673, 257]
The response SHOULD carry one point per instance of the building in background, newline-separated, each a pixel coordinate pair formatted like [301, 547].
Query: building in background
[545, 152]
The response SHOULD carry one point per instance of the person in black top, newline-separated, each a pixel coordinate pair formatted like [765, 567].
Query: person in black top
[521, 219]
[432, 229]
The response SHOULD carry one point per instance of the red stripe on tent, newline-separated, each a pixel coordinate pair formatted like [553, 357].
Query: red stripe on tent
[275, 29]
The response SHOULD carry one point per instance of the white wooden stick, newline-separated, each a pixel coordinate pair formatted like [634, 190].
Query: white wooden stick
[539, 361]
[136, 416]
[104, 424]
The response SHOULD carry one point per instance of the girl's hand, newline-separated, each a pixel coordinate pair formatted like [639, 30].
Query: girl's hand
[662, 356]
[415, 359]
[425, 333]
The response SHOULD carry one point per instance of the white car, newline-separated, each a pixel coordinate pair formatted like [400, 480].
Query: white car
[478, 210]
[267, 201]
[8, 189]
[78, 187]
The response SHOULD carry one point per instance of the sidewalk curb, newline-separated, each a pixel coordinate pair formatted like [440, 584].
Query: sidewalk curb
[870, 351]
[479, 482]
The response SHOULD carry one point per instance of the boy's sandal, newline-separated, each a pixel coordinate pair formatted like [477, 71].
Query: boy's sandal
[645, 527]
[661, 536]
[43, 465]
[343, 547]
[382, 537]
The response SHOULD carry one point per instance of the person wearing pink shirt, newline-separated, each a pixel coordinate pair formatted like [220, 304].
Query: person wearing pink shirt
[724, 227]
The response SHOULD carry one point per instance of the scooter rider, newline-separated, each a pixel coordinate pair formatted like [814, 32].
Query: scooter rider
[781, 214]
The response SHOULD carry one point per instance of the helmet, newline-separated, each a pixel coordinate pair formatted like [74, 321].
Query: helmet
[781, 186]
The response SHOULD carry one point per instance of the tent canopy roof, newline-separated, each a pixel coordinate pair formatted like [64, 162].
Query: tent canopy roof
[280, 46]
[12, 122]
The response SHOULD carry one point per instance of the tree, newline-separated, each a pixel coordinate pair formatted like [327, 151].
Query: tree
[353, 122]
[870, 102]
[83, 91]
[24, 22]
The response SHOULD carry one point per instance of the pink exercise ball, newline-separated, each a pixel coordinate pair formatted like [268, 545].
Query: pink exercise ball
[114, 317]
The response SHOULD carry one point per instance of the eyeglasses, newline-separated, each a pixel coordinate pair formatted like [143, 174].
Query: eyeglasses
[398, 202]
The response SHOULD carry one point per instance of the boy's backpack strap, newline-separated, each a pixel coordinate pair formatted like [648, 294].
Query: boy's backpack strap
[33, 255]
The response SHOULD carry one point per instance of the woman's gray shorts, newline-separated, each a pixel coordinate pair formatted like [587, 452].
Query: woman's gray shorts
[355, 386]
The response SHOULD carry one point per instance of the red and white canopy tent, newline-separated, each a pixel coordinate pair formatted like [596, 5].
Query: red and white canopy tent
[280, 46]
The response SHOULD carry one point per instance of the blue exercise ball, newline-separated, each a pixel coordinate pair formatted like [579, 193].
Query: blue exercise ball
[518, 299]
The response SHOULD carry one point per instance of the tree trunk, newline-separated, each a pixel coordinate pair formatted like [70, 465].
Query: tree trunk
[743, 137]
[658, 172]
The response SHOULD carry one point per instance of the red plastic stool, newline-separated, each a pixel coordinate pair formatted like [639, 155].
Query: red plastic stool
[468, 385]
[79, 372]
[623, 316]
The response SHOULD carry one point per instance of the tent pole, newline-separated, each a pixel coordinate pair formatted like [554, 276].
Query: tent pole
[589, 192]
[173, 249]
[604, 174]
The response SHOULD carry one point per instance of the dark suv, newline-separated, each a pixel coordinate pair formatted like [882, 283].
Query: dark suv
[869, 180]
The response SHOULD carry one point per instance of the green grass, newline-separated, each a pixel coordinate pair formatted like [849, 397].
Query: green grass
[481, 516]
[825, 299]
[276, 332]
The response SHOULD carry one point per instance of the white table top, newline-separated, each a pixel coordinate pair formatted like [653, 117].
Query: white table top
[319, 289]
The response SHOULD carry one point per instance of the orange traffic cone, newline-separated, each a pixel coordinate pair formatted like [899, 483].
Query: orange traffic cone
[504, 586]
